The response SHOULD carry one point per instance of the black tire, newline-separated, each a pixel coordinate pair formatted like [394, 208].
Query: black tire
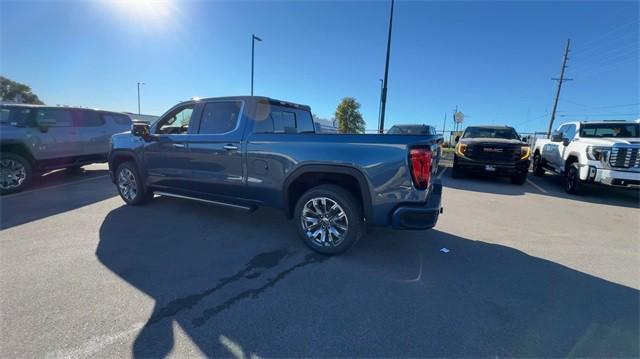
[19, 180]
[519, 179]
[327, 222]
[538, 170]
[573, 183]
[134, 192]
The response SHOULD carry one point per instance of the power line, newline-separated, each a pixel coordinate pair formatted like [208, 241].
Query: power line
[607, 68]
[585, 46]
[607, 59]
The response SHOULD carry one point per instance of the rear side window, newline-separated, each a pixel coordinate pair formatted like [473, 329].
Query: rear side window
[117, 118]
[285, 120]
[61, 116]
[304, 121]
[4, 115]
[83, 118]
[219, 117]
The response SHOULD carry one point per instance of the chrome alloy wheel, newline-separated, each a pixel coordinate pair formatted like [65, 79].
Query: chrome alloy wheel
[324, 222]
[127, 184]
[12, 174]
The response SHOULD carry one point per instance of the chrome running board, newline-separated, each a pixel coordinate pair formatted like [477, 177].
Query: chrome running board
[204, 200]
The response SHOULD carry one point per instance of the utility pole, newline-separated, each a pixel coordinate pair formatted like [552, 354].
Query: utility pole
[560, 81]
[253, 45]
[444, 124]
[380, 107]
[139, 83]
[383, 100]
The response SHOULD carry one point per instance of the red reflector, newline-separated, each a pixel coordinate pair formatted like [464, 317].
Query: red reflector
[420, 161]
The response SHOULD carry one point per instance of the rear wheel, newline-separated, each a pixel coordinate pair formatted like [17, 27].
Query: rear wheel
[573, 183]
[130, 185]
[15, 173]
[329, 219]
[538, 170]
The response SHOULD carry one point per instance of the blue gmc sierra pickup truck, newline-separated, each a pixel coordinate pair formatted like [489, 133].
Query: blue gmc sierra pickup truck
[247, 151]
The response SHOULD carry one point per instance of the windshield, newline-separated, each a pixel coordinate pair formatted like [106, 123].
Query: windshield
[409, 130]
[487, 132]
[610, 130]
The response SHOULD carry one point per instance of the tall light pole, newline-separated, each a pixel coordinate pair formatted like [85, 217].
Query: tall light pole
[383, 101]
[253, 45]
[380, 107]
[139, 83]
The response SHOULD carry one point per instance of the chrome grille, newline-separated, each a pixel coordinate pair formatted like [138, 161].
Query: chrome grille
[624, 157]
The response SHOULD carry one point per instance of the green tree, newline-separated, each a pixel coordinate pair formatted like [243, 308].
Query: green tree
[15, 91]
[349, 116]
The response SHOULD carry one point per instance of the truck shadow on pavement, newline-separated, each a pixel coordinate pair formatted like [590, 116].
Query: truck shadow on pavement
[55, 193]
[243, 284]
[552, 184]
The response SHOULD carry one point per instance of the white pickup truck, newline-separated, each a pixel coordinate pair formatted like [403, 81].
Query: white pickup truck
[603, 152]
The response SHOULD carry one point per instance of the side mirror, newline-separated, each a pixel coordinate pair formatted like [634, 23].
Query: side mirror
[556, 136]
[140, 128]
[457, 138]
[565, 142]
[44, 124]
[525, 139]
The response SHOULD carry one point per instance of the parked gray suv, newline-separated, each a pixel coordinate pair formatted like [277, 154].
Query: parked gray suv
[38, 139]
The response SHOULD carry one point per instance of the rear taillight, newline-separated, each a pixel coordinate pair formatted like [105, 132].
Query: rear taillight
[420, 162]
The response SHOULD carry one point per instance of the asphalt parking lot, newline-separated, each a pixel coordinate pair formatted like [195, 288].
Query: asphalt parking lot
[530, 271]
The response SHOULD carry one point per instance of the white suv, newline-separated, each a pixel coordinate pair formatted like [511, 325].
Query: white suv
[604, 152]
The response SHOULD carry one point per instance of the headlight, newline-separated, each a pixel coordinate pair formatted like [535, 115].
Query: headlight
[598, 153]
[525, 152]
[460, 148]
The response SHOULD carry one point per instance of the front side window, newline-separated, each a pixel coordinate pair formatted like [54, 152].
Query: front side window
[176, 122]
[569, 132]
[61, 116]
[220, 117]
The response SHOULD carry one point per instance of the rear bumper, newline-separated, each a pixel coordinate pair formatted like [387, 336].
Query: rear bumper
[419, 216]
[500, 169]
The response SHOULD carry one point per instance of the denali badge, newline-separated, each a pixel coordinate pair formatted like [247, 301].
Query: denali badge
[489, 149]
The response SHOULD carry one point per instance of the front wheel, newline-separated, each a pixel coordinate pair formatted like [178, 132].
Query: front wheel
[15, 173]
[573, 183]
[538, 170]
[130, 186]
[329, 219]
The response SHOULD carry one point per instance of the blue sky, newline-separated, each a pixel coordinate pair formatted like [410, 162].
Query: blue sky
[493, 59]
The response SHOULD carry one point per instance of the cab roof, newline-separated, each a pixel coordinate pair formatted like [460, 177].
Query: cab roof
[252, 98]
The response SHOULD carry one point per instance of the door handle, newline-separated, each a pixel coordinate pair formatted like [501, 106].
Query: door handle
[230, 147]
[178, 145]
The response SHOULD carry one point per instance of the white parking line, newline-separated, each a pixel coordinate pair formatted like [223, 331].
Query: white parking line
[536, 186]
[53, 187]
[442, 173]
